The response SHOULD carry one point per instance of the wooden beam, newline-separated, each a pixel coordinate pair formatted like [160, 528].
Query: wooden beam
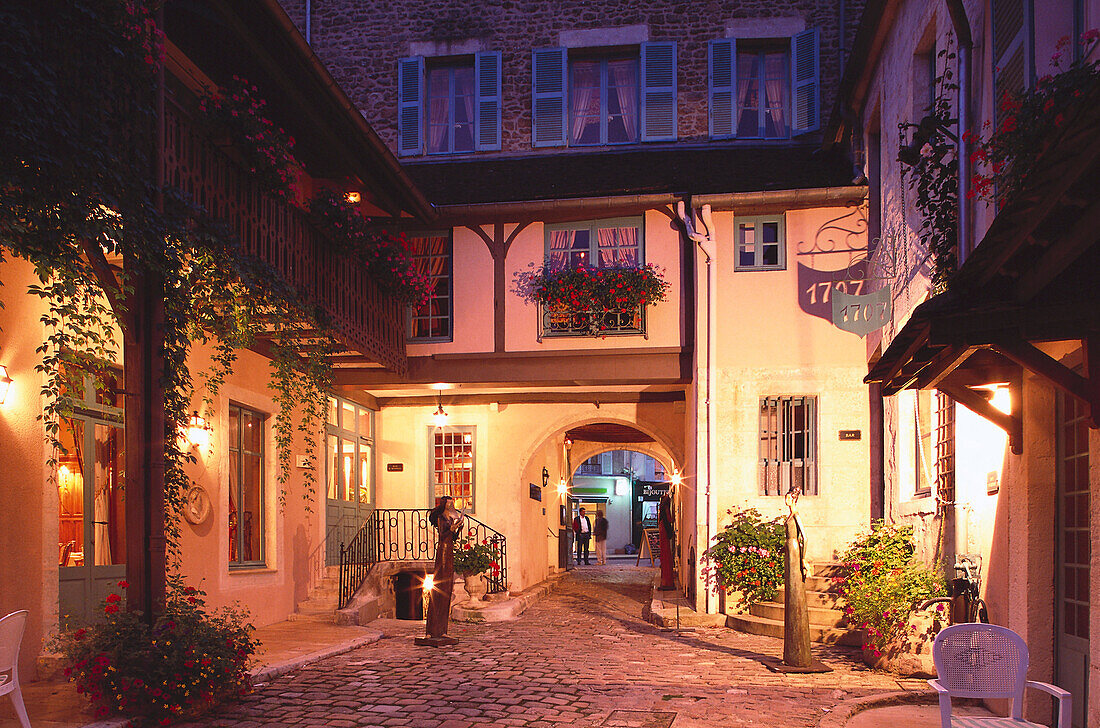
[1061, 254]
[594, 398]
[987, 326]
[558, 368]
[980, 406]
[942, 365]
[1092, 368]
[1037, 361]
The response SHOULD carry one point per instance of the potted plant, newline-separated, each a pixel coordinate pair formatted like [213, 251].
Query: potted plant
[472, 558]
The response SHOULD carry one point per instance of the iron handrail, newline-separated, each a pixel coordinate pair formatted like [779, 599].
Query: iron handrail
[404, 534]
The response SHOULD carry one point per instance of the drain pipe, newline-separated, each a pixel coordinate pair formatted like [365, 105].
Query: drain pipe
[309, 21]
[705, 241]
[961, 24]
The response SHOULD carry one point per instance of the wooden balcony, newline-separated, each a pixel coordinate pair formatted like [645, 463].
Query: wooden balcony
[280, 235]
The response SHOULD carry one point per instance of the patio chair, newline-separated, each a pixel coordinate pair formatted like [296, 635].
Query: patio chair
[987, 661]
[11, 634]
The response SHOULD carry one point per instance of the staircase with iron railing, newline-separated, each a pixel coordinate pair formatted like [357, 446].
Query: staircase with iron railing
[404, 534]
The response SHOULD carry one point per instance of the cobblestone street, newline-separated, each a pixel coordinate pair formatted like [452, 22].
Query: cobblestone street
[573, 659]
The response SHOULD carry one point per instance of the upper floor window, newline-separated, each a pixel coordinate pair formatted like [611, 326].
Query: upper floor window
[246, 486]
[604, 101]
[450, 108]
[450, 116]
[599, 244]
[582, 99]
[764, 89]
[761, 243]
[431, 253]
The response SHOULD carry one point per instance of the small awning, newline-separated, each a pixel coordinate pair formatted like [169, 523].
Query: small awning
[1034, 278]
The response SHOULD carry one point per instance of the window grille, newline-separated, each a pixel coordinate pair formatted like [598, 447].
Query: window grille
[788, 444]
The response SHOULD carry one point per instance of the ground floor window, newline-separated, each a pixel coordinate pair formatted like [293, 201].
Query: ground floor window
[452, 466]
[246, 486]
[788, 444]
[934, 428]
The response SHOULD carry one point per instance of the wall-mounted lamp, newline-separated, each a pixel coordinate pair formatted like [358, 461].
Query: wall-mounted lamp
[5, 383]
[563, 487]
[676, 478]
[568, 443]
[439, 417]
[353, 197]
[545, 477]
[198, 431]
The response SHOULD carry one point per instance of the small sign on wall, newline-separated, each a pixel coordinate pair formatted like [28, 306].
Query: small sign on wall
[536, 492]
[395, 467]
[851, 435]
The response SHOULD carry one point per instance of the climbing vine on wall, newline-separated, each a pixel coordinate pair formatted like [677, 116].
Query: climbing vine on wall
[78, 201]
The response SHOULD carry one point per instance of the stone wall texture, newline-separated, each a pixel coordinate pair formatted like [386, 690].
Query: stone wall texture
[360, 43]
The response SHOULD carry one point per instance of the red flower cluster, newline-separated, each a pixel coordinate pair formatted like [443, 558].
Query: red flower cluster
[387, 257]
[1030, 122]
[592, 293]
[267, 150]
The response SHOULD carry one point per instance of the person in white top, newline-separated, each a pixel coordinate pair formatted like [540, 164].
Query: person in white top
[582, 530]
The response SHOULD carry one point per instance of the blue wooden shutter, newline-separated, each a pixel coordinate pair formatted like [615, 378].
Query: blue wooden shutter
[410, 79]
[658, 92]
[548, 85]
[487, 122]
[805, 86]
[723, 88]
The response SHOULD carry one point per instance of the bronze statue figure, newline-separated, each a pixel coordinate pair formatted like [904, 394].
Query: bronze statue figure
[448, 524]
[796, 617]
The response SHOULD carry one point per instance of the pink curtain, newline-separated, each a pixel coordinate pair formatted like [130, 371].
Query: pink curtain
[624, 76]
[438, 109]
[561, 242]
[586, 97]
[775, 71]
[618, 246]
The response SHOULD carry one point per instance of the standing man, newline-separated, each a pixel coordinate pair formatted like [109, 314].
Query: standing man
[601, 538]
[582, 528]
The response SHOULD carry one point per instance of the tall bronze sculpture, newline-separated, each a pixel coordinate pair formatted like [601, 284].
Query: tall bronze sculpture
[448, 524]
[796, 616]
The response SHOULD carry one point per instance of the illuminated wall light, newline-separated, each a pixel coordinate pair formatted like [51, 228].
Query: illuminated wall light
[353, 197]
[677, 478]
[198, 431]
[429, 582]
[5, 383]
[563, 487]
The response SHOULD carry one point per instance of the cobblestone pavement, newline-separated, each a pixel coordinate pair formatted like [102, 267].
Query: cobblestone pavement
[572, 659]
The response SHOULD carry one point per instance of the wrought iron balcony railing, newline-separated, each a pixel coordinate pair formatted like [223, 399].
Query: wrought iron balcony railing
[557, 322]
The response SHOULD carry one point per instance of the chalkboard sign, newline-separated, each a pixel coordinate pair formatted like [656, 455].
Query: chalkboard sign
[651, 542]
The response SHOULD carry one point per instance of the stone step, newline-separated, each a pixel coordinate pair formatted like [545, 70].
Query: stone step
[818, 616]
[320, 617]
[821, 584]
[324, 593]
[824, 600]
[774, 628]
[826, 568]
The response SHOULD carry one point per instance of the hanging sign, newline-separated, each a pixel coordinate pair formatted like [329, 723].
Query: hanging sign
[864, 313]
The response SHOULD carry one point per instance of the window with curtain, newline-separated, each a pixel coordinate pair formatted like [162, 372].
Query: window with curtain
[597, 244]
[349, 443]
[431, 254]
[452, 466]
[763, 92]
[603, 101]
[450, 109]
[246, 486]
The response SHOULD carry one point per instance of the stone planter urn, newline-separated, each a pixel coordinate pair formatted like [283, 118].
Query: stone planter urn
[475, 586]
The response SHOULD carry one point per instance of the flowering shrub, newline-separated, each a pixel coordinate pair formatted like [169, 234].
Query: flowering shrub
[592, 289]
[472, 557]
[184, 663]
[1004, 159]
[267, 149]
[385, 255]
[883, 583]
[747, 556]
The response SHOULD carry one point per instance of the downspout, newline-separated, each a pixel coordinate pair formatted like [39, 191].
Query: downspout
[705, 241]
[309, 24]
[961, 24]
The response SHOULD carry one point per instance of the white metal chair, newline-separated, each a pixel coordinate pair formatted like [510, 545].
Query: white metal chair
[11, 634]
[987, 661]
